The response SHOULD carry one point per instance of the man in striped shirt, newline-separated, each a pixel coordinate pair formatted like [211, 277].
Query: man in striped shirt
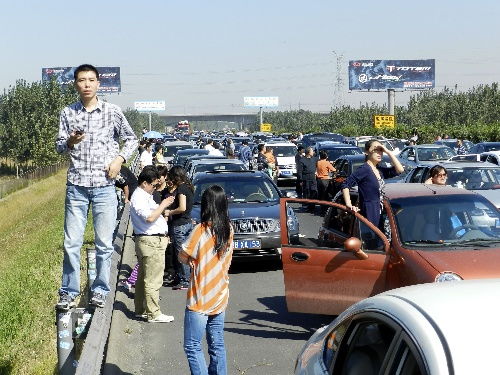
[90, 131]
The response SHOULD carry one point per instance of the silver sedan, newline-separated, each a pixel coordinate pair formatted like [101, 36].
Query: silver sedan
[439, 328]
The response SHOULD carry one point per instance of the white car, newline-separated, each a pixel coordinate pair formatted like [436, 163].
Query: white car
[284, 152]
[426, 329]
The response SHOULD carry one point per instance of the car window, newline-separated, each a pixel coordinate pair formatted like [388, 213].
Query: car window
[248, 190]
[492, 147]
[366, 348]
[284, 151]
[417, 175]
[334, 154]
[492, 159]
[474, 178]
[218, 167]
[438, 153]
[333, 342]
[407, 360]
[446, 222]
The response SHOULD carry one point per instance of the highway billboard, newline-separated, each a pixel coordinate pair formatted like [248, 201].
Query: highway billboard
[391, 74]
[109, 77]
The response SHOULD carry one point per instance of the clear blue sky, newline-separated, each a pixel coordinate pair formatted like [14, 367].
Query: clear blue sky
[205, 56]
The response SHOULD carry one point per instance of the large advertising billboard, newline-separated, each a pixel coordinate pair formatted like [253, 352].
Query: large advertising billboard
[391, 74]
[109, 77]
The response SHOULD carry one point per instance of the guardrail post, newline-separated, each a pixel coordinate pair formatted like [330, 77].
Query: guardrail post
[65, 345]
[91, 270]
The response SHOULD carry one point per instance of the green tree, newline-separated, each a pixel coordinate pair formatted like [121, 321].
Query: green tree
[29, 118]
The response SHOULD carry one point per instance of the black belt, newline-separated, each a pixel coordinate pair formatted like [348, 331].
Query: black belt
[151, 235]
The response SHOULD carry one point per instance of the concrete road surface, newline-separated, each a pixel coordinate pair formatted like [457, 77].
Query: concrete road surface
[261, 336]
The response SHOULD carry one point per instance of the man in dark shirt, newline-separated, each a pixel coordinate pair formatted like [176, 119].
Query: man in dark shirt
[298, 184]
[261, 158]
[127, 182]
[306, 172]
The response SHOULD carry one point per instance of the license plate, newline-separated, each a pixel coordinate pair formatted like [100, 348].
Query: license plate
[246, 244]
[286, 172]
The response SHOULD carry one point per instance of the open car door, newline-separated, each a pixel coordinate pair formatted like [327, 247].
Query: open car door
[320, 275]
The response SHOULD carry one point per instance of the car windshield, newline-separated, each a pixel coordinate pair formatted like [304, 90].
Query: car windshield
[474, 178]
[492, 147]
[218, 167]
[386, 143]
[238, 190]
[450, 221]
[172, 150]
[437, 153]
[335, 153]
[283, 151]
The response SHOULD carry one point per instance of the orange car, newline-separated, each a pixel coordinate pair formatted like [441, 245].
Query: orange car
[429, 234]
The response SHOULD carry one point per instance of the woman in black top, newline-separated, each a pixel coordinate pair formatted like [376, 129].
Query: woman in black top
[180, 222]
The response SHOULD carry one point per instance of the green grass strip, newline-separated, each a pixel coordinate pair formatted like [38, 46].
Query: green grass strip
[31, 235]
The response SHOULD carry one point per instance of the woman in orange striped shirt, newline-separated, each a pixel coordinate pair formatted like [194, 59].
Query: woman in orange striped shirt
[208, 250]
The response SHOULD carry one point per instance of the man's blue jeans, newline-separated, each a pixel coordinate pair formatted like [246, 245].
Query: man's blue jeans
[103, 201]
[195, 325]
[179, 234]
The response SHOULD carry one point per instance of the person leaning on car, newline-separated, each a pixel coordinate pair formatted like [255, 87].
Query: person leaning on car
[323, 169]
[306, 172]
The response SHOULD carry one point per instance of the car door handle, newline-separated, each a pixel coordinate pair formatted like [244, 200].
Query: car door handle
[300, 257]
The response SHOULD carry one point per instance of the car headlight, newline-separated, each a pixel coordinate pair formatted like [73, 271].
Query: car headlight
[447, 276]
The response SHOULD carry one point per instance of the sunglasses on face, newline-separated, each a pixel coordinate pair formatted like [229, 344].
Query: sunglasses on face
[441, 175]
[378, 149]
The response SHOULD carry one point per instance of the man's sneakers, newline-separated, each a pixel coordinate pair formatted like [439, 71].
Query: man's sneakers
[65, 302]
[98, 299]
[162, 318]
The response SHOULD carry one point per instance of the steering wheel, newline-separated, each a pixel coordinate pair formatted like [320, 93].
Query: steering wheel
[468, 227]
[256, 197]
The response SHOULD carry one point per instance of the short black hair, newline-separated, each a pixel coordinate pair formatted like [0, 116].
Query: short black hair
[86, 68]
[300, 148]
[244, 142]
[261, 146]
[148, 174]
[323, 154]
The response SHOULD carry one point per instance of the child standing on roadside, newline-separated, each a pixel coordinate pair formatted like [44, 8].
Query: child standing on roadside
[208, 251]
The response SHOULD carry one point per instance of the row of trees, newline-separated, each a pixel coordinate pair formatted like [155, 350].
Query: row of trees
[29, 117]
[473, 115]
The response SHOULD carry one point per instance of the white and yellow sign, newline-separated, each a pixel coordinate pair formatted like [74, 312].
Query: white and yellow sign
[384, 121]
[265, 127]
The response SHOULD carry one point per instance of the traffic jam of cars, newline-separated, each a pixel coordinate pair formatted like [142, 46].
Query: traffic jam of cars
[337, 262]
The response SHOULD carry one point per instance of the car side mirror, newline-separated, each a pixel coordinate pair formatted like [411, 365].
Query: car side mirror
[353, 245]
[412, 158]
[289, 194]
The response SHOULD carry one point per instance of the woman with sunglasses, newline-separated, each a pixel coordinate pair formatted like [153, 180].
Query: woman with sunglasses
[370, 181]
[438, 175]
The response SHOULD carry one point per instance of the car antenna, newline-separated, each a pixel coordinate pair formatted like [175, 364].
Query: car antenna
[434, 191]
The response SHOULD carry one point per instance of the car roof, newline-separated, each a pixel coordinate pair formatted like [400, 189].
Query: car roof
[404, 190]
[332, 144]
[198, 151]
[464, 164]
[177, 143]
[488, 143]
[216, 160]
[428, 145]
[280, 144]
[216, 175]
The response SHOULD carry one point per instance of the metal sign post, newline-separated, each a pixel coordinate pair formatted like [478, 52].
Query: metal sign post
[260, 102]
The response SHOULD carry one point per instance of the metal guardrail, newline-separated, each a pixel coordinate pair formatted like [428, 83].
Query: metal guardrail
[72, 325]
[90, 324]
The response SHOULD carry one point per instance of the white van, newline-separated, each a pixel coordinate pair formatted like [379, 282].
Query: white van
[285, 152]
